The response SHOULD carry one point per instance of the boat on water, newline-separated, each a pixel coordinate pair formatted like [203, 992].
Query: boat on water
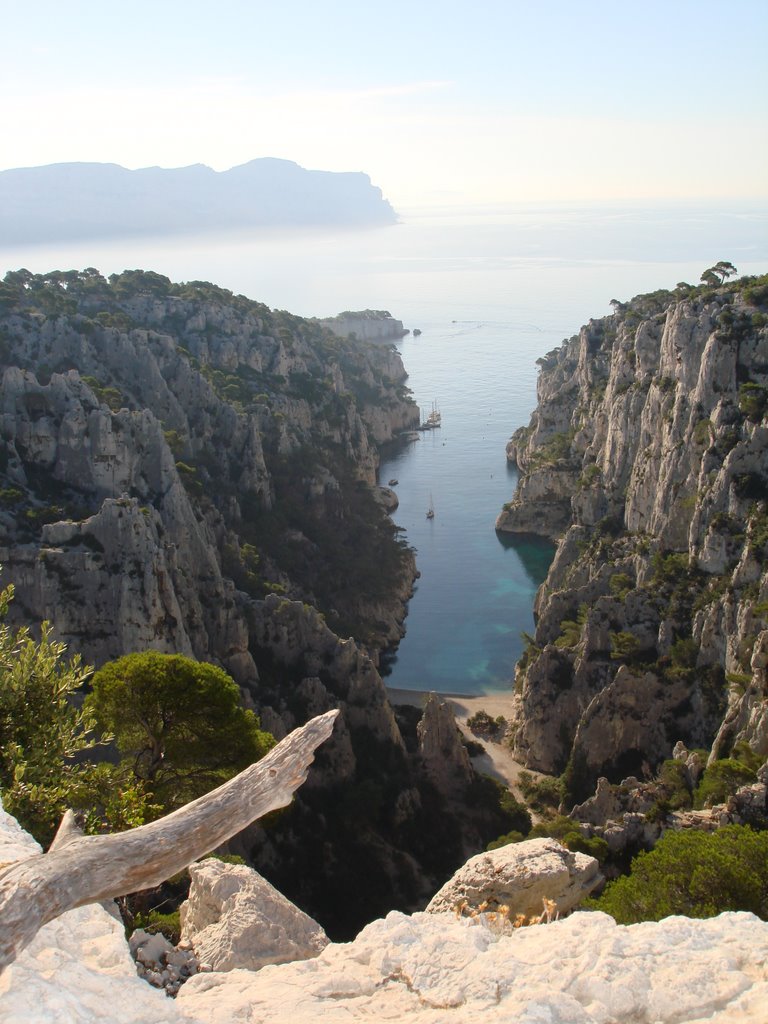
[393, 482]
[431, 509]
[434, 419]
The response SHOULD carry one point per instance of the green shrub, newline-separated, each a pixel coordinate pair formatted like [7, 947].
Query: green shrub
[556, 828]
[510, 837]
[720, 780]
[481, 724]
[593, 846]
[701, 432]
[542, 794]
[43, 728]
[756, 294]
[570, 634]
[227, 858]
[154, 921]
[620, 585]
[698, 874]
[753, 401]
[744, 754]
[555, 451]
[673, 778]
[624, 646]
[590, 475]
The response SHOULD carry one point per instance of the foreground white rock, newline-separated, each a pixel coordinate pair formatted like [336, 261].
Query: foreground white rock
[437, 969]
[235, 918]
[78, 968]
[430, 968]
[520, 876]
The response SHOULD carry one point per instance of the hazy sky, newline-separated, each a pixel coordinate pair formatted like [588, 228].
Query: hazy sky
[440, 103]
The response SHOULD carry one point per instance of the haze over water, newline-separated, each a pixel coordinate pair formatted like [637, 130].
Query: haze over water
[491, 291]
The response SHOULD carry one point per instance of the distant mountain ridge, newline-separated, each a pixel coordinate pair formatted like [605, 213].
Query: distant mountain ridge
[71, 201]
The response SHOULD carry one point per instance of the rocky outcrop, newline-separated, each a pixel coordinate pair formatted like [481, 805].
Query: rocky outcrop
[235, 918]
[647, 460]
[441, 748]
[583, 969]
[633, 814]
[160, 963]
[219, 418]
[78, 967]
[523, 878]
[376, 325]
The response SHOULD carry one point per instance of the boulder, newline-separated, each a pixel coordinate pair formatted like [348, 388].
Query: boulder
[235, 918]
[520, 876]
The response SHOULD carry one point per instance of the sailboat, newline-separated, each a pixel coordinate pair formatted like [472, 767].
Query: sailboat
[431, 509]
[434, 419]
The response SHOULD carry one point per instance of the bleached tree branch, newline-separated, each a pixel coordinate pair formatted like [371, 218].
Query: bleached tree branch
[85, 869]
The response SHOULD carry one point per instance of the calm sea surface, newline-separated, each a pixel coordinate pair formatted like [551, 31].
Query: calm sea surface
[491, 292]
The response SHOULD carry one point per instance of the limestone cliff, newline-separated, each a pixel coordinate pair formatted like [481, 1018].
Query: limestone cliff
[647, 460]
[235, 439]
[185, 470]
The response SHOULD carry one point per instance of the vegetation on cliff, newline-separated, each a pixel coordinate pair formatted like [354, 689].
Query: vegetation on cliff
[179, 725]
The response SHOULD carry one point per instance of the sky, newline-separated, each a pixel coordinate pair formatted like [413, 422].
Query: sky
[442, 104]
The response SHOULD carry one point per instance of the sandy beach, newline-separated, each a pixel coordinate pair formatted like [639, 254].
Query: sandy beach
[497, 760]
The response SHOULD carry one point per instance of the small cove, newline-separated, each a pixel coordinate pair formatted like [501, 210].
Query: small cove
[475, 593]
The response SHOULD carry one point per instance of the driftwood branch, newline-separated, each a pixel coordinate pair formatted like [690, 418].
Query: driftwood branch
[82, 869]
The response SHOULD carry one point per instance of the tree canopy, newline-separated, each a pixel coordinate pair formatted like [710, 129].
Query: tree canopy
[717, 274]
[178, 723]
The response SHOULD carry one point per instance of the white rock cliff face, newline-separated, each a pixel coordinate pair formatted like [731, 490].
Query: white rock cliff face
[647, 460]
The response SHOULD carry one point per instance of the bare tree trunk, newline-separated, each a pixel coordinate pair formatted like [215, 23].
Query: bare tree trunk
[85, 869]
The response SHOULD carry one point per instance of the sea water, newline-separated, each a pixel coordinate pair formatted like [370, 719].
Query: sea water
[475, 593]
[491, 291]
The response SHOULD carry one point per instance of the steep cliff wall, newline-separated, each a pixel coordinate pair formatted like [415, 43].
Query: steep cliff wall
[647, 460]
[236, 440]
[185, 470]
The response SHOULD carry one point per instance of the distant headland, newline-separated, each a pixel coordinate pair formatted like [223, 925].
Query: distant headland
[70, 201]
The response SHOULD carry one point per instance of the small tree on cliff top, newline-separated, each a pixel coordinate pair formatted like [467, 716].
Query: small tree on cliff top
[717, 274]
[179, 723]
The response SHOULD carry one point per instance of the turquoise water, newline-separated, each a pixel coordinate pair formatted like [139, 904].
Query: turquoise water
[491, 291]
[476, 589]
